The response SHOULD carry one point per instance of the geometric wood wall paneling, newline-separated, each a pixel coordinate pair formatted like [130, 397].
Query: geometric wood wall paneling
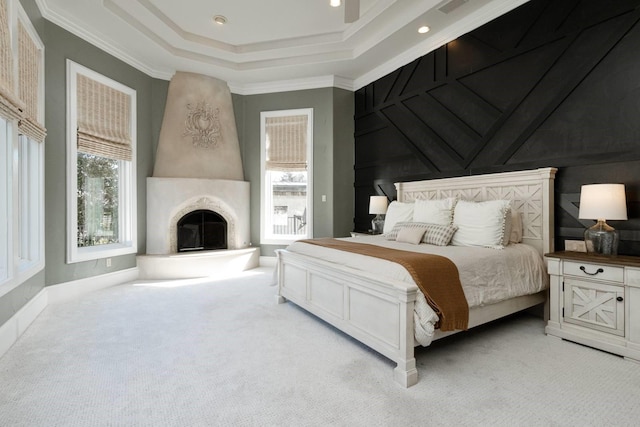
[552, 83]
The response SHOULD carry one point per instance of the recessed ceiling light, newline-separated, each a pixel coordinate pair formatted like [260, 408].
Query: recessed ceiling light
[423, 29]
[335, 3]
[219, 19]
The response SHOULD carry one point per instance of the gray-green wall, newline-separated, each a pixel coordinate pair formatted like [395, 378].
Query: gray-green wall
[333, 155]
[343, 161]
[61, 45]
[151, 96]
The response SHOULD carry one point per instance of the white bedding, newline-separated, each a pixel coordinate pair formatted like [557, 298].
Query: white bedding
[487, 275]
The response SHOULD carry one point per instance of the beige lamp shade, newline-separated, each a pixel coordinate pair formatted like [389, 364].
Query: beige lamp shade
[603, 201]
[378, 205]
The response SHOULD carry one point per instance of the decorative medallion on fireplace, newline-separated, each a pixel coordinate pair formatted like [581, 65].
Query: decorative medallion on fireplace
[203, 125]
[201, 230]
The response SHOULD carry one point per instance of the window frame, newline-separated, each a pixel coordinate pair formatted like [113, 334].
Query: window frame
[6, 196]
[266, 238]
[22, 256]
[127, 179]
[30, 250]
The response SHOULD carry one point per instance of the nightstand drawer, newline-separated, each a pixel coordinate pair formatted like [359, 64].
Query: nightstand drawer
[609, 273]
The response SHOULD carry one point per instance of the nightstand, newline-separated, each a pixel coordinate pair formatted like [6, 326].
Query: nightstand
[595, 301]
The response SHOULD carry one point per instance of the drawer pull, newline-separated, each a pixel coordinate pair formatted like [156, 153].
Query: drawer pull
[584, 270]
[619, 299]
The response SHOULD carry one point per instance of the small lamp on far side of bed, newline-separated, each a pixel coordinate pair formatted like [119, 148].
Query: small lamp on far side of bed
[602, 202]
[377, 206]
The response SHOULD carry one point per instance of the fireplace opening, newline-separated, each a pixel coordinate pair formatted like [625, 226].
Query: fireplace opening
[202, 230]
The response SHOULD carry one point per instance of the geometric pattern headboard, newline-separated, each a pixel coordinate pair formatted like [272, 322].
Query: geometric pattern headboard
[530, 193]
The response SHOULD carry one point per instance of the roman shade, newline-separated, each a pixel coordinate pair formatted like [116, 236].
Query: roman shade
[10, 105]
[286, 143]
[104, 120]
[28, 85]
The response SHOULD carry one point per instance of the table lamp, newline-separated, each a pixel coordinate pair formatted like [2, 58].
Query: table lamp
[602, 202]
[377, 206]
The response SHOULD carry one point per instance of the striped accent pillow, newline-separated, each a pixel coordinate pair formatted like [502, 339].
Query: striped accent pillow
[435, 234]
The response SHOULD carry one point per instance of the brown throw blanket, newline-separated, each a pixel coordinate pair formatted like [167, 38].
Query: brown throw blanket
[436, 276]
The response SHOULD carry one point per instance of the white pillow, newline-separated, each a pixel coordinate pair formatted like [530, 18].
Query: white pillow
[482, 223]
[396, 212]
[434, 211]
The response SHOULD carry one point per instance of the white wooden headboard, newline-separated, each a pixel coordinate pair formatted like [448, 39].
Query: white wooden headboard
[531, 194]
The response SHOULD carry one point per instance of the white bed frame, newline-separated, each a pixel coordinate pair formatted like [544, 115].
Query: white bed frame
[379, 312]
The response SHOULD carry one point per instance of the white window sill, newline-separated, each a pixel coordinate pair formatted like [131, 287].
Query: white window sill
[102, 251]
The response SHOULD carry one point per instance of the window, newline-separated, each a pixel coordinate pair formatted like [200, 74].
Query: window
[286, 149]
[5, 197]
[31, 202]
[101, 163]
[30, 149]
[22, 136]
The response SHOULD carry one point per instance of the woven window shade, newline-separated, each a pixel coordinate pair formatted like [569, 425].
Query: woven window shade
[286, 143]
[28, 79]
[10, 105]
[104, 120]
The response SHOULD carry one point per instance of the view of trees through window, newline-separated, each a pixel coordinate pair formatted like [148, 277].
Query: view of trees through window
[97, 200]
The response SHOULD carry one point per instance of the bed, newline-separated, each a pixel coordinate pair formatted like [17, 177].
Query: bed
[380, 307]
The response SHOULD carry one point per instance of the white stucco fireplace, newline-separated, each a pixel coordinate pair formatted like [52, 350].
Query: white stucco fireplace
[169, 199]
[198, 171]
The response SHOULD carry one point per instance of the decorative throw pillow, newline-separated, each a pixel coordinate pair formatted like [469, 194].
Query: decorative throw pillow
[411, 235]
[397, 212]
[438, 234]
[516, 227]
[482, 223]
[434, 234]
[434, 211]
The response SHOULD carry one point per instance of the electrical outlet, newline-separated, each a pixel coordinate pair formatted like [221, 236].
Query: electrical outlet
[324, 197]
[108, 262]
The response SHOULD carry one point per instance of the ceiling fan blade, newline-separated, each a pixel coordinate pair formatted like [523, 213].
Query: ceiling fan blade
[351, 11]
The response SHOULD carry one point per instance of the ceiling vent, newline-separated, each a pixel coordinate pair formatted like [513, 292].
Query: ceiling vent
[448, 6]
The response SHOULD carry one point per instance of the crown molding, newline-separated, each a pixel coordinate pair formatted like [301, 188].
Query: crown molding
[291, 85]
[463, 26]
[98, 42]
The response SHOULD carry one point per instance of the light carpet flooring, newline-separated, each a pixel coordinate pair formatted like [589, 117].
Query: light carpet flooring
[222, 352]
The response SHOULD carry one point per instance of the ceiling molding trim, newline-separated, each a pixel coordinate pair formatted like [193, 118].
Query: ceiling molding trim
[291, 85]
[250, 62]
[186, 36]
[98, 42]
[460, 28]
[480, 17]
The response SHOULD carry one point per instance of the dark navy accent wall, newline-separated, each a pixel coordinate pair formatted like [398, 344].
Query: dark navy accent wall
[552, 83]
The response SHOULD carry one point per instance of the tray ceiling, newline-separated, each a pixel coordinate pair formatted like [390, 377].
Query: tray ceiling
[271, 45]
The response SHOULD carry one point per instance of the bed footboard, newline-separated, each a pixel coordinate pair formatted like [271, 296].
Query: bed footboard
[377, 313]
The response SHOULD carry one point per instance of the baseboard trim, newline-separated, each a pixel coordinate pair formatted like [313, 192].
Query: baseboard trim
[69, 290]
[13, 328]
[17, 324]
